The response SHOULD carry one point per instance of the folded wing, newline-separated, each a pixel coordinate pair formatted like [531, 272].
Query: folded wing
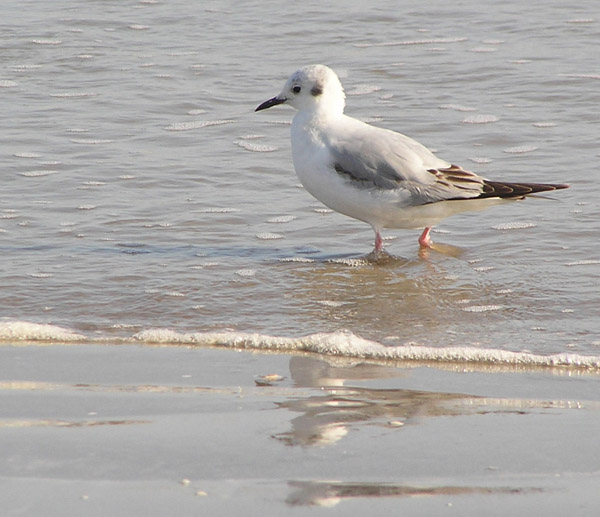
[371, 157]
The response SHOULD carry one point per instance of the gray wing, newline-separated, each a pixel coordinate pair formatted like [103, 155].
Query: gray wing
[378, 158]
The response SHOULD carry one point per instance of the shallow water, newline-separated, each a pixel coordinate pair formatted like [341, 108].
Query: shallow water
[140, 189]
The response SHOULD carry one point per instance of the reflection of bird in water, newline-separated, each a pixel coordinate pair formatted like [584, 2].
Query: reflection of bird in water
[375, 175]
[421, 302]
[330, 493]
[324, 419]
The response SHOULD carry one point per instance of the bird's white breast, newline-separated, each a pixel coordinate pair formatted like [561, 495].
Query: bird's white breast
[314, 167]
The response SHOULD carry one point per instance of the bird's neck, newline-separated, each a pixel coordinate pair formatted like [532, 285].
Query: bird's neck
[331, 105]
[323, 115]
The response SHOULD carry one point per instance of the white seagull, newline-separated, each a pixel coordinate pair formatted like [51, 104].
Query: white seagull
[375, 175]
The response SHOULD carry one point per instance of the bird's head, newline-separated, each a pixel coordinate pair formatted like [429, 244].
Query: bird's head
[313, 88]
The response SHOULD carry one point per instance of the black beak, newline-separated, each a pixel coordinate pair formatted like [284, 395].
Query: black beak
[270, 103]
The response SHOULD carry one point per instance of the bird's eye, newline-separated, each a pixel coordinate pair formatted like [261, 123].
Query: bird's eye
[296, 89]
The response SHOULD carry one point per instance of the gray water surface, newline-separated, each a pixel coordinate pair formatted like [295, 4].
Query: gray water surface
[140, 189]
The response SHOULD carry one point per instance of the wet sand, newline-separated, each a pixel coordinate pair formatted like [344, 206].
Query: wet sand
[148, 430]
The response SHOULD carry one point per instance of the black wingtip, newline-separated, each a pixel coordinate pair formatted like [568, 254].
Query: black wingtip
[508, 190]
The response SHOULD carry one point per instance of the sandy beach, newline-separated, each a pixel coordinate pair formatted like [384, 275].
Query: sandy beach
[167, 430]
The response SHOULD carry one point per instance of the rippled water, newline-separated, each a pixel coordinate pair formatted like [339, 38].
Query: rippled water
[140, 189]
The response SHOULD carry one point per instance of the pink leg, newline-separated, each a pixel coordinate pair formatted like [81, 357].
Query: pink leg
[378, 241]
[425, 240]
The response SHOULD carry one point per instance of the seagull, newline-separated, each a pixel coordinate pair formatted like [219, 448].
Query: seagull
[376, 175]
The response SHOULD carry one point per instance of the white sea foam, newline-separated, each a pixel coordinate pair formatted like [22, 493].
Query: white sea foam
[46, 41]
[339, 344]
[37, 173]
[25, 331]
[256, 148]
[480, 119]
[589, 262]
[516, 225]
[72, 95]
[296, 259]
[197, 124]
[218, 210]
[330, 303]
[410, 42]
[483, 308]
[246, 272]
[91, 141]
[26, 67]
[581, 76]
[268, 236]
[347, 344]
[456, 107]
[27, 155]
[281, 219]
[519, 149]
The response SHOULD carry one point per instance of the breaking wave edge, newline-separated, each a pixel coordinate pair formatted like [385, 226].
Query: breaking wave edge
[347, 344]
[340, 344]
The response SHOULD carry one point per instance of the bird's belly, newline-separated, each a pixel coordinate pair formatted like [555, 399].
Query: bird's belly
[381, 208]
